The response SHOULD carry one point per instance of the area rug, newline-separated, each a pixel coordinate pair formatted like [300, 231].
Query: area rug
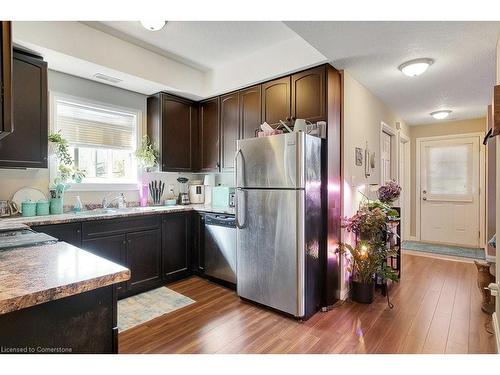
[465, 252]
[140, 308]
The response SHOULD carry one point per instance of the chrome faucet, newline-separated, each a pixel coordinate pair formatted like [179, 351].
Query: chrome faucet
[121, 201]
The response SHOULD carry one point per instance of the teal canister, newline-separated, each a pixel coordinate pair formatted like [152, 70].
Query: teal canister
[56, 206]
[28, 208]
[42, 207]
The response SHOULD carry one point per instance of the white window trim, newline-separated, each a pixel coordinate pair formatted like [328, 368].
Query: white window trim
[92, 186]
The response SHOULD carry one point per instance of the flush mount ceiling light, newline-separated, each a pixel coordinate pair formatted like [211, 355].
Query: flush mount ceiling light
[414, 68]
[440, 115]
[153, 25]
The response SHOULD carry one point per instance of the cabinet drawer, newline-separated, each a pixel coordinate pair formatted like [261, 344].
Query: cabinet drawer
[100, 228]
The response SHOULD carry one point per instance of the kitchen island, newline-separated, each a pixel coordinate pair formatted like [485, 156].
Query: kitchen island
[57, 298]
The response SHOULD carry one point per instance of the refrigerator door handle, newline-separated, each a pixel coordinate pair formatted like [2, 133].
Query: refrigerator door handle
[239, 224]
[236, 168]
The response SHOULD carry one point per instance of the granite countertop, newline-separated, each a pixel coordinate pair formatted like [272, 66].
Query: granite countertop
[19, 222]
[31, 276]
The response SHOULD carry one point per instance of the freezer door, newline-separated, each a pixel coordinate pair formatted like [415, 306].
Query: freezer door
[270, 162]
[270, 250]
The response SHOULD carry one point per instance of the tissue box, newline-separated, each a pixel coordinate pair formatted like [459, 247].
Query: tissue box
[220, 196]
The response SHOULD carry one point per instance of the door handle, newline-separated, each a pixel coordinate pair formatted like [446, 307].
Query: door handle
[237, 208]
[236, 167]
[493, 289]
[424, 198]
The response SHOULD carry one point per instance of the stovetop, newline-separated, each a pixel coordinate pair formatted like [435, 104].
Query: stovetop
[22, 238]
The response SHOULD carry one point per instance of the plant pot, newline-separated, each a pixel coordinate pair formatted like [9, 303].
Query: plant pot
[362, 293]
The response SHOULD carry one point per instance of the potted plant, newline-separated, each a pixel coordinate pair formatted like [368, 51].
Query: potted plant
[367, 258]
[389, 192]
[65, 171]
[147, 154]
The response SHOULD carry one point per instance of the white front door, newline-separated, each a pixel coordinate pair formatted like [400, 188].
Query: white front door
[449, 191]
[385, 158]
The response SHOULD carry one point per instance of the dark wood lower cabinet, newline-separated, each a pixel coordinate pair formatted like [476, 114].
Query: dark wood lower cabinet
[70, 233]
[112, 248]
[83, 323]
[176, 245]
[144, 259]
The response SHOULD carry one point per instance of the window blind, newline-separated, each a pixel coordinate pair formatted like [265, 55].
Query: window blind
[92, 126]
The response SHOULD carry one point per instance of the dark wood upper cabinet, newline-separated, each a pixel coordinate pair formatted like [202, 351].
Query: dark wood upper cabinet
[250, 111]
[209, 135]
[6, 123]
[229, 128]
[26, 147]
[309, 95]
[172, 125]
[276, 100]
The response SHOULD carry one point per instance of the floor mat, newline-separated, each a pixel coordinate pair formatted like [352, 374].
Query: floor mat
[465, 252]
[140, 308]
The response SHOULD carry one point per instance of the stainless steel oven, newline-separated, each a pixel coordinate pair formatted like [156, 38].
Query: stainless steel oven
[220, 247]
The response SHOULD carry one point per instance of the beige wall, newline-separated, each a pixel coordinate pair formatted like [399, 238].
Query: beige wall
[363, 113]
[432, 130]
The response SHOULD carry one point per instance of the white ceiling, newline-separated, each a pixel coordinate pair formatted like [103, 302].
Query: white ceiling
[205, 45]
[461, 78]
[228, 55]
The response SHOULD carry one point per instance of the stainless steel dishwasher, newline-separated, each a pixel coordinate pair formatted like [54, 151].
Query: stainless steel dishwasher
[220, 247]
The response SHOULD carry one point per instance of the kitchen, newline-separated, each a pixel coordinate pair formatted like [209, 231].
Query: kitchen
[208, 159]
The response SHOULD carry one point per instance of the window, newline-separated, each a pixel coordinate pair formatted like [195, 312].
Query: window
[102, 139]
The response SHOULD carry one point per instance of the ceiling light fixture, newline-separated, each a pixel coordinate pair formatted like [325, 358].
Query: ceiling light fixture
[414, 68]
[440, 115]
[153, 25]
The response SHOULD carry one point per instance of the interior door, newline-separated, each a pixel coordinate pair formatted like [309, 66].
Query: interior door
[449, 191]
[386, 158]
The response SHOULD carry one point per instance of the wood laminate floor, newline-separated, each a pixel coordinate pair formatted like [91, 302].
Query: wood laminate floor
[436, 310]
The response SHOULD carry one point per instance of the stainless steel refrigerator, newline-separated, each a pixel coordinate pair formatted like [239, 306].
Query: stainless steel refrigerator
[279, 224]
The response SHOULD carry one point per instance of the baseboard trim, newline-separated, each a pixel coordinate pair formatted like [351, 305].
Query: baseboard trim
[497, 329]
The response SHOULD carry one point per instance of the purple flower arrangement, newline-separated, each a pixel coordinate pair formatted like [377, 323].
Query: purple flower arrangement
[389, 193]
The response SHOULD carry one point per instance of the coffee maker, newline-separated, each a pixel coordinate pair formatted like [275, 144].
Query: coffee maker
[183, 191]
[197, 192]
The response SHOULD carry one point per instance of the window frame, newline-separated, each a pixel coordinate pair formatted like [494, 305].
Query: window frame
[94, 186]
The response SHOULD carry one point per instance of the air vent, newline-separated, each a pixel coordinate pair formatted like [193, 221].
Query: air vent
[104, 77]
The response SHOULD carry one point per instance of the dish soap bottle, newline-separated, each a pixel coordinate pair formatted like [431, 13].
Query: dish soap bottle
[78, 205]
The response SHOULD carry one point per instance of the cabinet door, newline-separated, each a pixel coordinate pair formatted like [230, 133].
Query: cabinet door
[176, 245]
[276, 100]
[229, 126]
[6, 125]
[209, 135]
[177, 134]
[112, 248]
[308, 95]
[70, 233]
[144, 259]
[27, 145]
[250, 112]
